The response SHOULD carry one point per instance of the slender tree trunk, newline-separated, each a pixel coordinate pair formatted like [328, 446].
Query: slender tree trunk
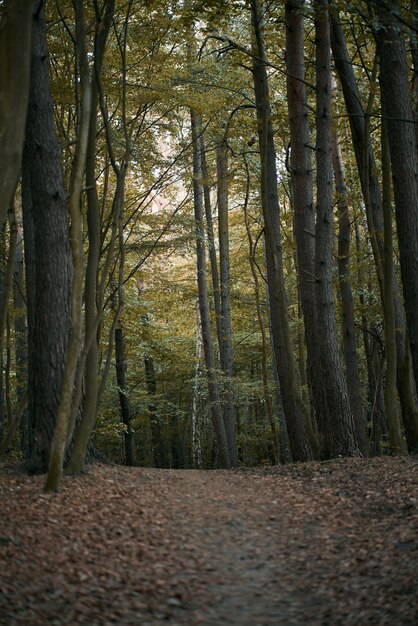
[221, 435]
[397, 109]
[396, 442]
[347, 301]
[196, 421]
[92, 314]
[47, 246]
[21, 341]
[211, 241]
[335, 422]
[264, 340]
[371, 192]
[160, 456]
[125, 409]
[292, 400]
[225, 346]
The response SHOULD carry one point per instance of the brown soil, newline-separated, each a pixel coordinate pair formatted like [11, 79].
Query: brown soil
[331, 543]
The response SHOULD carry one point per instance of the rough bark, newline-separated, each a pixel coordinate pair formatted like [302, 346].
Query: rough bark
[398, 112]
[65, 410]
[335, 422]
[302, 194]
[15, 56]
[367, 169]
[47, 245]
[292, 399]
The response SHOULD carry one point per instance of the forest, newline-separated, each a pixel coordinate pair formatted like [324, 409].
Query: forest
[209, 244]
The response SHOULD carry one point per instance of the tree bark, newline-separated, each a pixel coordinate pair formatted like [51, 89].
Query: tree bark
[15, 58]
[292, 400]
[347, 301]
[225, 346]
[335, 421]
[47, 246]
[92, 313]
[65, 410]
[371, 192]
[396, 442]
[398, 112]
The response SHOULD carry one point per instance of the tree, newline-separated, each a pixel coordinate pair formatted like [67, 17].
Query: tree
[398, 112]
[15, 55]
[47, 253]
[292, 400]
[221, 434]
[367, 170]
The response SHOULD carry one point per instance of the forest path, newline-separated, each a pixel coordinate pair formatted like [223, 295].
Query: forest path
[313, 544]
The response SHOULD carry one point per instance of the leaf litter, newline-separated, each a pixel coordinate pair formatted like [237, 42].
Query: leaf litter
[318, 544]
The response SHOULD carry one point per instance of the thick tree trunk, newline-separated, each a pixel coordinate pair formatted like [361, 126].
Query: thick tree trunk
[292, 399]
[63, 426]
[15, 56]
[225, 346]
[347, 301]
[371, 193]
[335, 422]
[47, 245]
[302, 194]
[214, 398]
[398, 112]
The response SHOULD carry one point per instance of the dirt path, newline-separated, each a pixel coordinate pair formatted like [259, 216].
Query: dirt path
[314, 544]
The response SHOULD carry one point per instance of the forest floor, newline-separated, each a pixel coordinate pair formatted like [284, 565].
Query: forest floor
[332, 543]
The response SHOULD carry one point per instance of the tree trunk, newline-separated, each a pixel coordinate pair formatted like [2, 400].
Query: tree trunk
[221, 435]
[197, 460]
[391, 397]
[292, 400]
[15, 56]
[65, 411]
[160, 456]
[211, 241]
[46, 245]
[397, 109]
[225, 346]
[272, 419]
[347, 301]
[21, 341]
[335, 421]
[371, 193]
[92, 314]
[302, 192]
[125, 409]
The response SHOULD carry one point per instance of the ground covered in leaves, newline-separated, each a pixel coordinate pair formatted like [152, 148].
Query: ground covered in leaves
[332, 543]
